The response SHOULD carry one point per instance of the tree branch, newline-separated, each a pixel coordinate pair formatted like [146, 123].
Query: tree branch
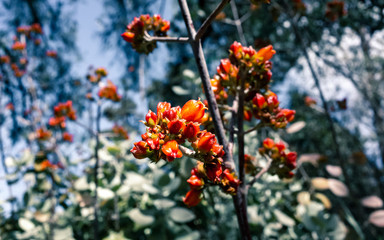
[210, 19]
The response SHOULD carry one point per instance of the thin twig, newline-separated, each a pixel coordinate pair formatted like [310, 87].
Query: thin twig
[255, 128]
[150, 38]
[188, 152]
[261, 173]
[238, 22]
[96, 171]
[210, 19]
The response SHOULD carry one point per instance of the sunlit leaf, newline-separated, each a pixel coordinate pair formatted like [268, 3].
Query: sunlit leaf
[324, 199]
[372, 202]
[320, 183]
[163, 203]
[141, 220]
[105, 194]
[304, 198]
[26, 224]
[295, 127]
[312, 158]
[335, 171]
[181, 215]
[338, 188]
[283, 218]
[377, 218]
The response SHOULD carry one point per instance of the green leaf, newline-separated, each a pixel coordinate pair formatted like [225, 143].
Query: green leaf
[26, 224]
[181, 215]
[140, 219]
[163, 203]
[283, 218]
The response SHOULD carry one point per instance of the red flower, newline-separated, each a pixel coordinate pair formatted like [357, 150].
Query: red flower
[192, 198]
[268, 143]
[18, 46]
[151, 118]
[51, 53]
[291, 160]
[41, 134]
[171, 150]
[206, 142]
[171, 114]
[195, 182]
[109, 92]
[214, 171]
[288, 114]
[259, 101]
[265, 53]
[193, 111]
[280, 146]
[120, 132]
[128, 36]
[67, 137]
[191, 130]
[161, 108]
[140, 150]
[175, 126]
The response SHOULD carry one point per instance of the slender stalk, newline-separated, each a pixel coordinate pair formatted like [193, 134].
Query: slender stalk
[210, 19]
[237, 21]
[166, 39]
[96, 171]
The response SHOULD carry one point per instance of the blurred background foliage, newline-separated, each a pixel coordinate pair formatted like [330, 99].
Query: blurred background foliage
[337, 192]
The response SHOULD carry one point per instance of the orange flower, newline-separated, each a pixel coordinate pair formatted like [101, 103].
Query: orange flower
[18, 46]
[191, 130]
[5, 59]
[192, 198]
[195, 182]
[268, 143]
[206, 142]
[171, 150]
[43, 135]
[101, 72]
[161, 108]
[128, 36]
[57, 121]
[140, 150]
[259, 101]
[175, 126]
[193, 111]
[110, 92]
[51, 53]
[151, 118]
[214, 170]
[265, 53]
[120, 132]
[36, 28]
[67, 137]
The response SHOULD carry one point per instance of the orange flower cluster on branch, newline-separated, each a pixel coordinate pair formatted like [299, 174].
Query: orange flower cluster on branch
[172, 126]
[283, 162]
[139, 28]
[120, 132]
[42, 134]
[255, 68]
[62, 111]
[109, 92]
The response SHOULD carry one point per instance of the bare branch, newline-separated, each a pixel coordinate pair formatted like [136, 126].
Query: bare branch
[210, 19]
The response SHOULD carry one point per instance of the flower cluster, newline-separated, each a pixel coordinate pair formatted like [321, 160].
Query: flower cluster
[42, 134]
[335, 10]
[98, 75]
[138, 29]
[172, 126]
[255, 68]
[283, 162]
[62, 111]
[109, 91]
[120, 132]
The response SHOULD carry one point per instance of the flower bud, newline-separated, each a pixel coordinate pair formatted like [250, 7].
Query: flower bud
[171, 150]
[206, 142]
[192, 198]
[191, 130]
[128, 36]
[259, 101]
[195, 182]
[265, 53]
[268, 143]
[214, 170]
[171, 114]
[193, 111]
[151, 118]
[175, 126]
[140, 150]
